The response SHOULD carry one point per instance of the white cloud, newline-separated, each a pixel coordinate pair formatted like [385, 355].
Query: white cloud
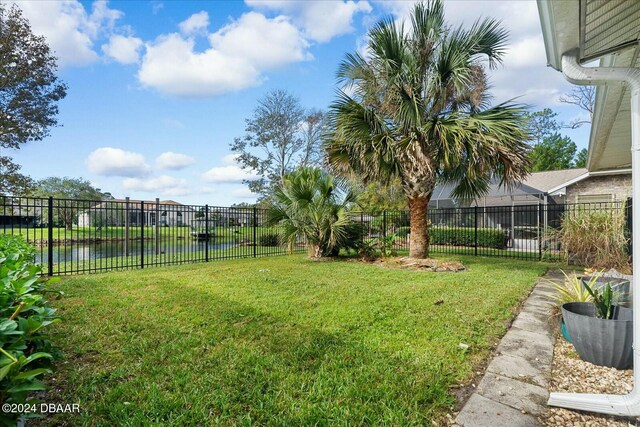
[196, 23]
[238, 55]
[170, 65]
[227, 174]
[163, 185]
[156, 6]
[230, 159]
[207, 190]
[123, 49]
[70, 31]
[526, 52]
[171, 160]
[244, 193]
[266, 43]
[109, 161]
[321, 20]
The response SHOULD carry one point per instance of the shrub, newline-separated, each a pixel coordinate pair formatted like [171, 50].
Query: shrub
[595, 238]
[25, 350]
[309, 202]
[269, 239]
[465, 236]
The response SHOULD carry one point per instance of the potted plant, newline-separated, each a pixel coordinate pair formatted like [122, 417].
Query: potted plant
[621, 287]
[601, 331]
[570, 289]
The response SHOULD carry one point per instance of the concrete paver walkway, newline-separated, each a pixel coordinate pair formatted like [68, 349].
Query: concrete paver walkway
[514, 390]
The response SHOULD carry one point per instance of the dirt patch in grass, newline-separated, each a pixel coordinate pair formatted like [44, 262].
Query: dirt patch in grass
[415, 264]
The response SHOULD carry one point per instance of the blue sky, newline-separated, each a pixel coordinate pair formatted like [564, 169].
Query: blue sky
[158, 89]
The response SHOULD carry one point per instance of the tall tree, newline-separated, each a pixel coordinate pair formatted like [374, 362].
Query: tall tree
[551, 150]
[12, 182]
[29, 88]
[554, 152]
[584, 97]
[420, 112]
[278, 137]
[542, 124]
[581, 158]
[314, 128]
[76, 194]
[377, 196]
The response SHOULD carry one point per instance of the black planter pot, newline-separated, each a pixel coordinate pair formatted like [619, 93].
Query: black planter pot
[601, 342]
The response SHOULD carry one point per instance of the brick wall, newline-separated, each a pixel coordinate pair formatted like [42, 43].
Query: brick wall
[619, 185]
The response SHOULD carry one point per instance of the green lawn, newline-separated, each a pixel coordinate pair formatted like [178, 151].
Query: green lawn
[278, 341]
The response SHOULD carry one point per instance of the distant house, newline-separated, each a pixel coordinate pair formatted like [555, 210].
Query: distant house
[167, 213]
[520, 209]
[550, 187]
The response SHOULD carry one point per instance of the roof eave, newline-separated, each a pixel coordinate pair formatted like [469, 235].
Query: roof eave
[547, 22]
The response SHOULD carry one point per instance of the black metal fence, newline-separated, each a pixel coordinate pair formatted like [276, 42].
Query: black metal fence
[75, 236]
[517, 231]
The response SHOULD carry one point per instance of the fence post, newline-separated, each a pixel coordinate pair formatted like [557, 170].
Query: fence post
[206, 232]
[475, 230]
[362, 225]
[127, 233]
[157, 229]
[384, 223]
[539, 231]
[255, 232]
[50, 238]
[141, 234]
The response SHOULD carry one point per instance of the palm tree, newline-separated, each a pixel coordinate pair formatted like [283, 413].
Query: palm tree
[419, 110]
[308, 202]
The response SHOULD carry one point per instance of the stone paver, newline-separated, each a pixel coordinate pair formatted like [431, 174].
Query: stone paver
[517, 368]
[515, 387]
[483, 412]
[515, 393]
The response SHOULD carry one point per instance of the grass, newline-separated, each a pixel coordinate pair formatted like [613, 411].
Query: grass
[278, 341]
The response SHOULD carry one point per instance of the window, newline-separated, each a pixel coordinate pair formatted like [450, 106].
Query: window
[595, 198]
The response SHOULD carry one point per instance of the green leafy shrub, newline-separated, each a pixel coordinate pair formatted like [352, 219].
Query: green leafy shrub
[269, 239]
[25, 349]
[309, 202]
[459, 236]
[371, 249]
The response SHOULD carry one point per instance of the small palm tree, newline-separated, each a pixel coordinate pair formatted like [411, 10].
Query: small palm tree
[419, 110]
[308, 202]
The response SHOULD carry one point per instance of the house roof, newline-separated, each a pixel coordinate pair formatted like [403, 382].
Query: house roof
[537, 183]
[135, 204]
[547, 180]
[444, 191]
[608, 31]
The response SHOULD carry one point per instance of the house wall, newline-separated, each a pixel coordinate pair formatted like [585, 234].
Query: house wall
[617, 185]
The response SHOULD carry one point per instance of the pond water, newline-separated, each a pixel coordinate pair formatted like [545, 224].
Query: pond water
[92, 251]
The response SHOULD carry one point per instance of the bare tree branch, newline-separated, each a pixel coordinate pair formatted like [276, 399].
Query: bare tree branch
[583, 97]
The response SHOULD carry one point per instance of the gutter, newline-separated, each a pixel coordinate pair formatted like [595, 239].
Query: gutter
[622, 405]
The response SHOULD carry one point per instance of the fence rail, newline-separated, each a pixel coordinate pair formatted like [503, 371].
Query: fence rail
[76, 236]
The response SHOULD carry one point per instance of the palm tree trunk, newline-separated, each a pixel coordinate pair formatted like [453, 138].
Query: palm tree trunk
[419, 236]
